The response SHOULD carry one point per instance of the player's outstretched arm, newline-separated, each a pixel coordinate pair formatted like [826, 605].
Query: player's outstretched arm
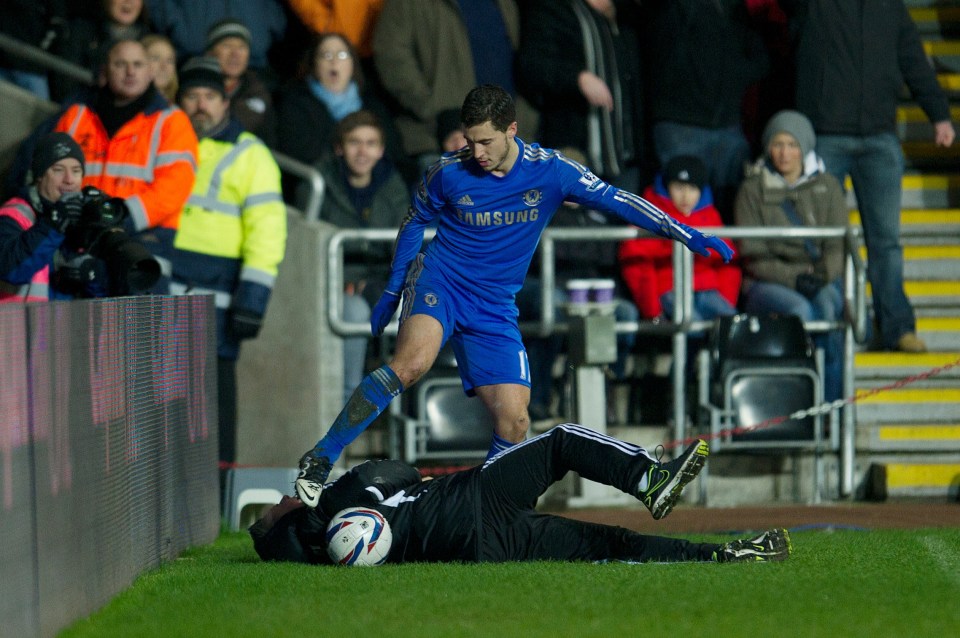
[582, 186]
[703, 243]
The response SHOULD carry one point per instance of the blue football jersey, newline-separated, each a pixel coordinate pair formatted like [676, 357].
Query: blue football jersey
[488, 226]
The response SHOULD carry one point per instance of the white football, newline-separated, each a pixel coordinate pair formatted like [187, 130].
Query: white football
[358, 536]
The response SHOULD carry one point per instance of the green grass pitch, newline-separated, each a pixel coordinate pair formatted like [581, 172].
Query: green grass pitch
[837, 583]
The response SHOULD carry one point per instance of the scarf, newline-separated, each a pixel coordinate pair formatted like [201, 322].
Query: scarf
[340, 105]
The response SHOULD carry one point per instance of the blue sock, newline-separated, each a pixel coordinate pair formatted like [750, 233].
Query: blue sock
[498, 445]
[370, 398]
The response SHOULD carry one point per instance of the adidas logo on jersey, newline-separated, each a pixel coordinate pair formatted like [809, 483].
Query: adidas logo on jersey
[465, 201]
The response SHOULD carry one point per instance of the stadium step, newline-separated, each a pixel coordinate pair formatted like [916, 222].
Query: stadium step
[913, 125]
[910, 437]
[891, 480]
[928, 405]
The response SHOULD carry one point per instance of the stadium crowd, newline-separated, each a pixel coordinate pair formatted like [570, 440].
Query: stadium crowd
[673, 96]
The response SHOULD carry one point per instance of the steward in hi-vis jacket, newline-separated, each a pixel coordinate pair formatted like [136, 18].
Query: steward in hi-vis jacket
[233, 231]
[138, 147]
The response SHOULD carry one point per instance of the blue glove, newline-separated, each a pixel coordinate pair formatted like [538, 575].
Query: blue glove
[383, 312]
[702, 243]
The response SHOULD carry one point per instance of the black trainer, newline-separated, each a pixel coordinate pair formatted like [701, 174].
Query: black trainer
[314, 470]
[665, 481]
[769, 546]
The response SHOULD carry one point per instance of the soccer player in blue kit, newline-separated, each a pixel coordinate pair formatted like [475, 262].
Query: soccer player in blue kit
[491, 201]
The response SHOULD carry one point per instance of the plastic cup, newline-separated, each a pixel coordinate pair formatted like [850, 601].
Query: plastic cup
[578, 290]
[602, 290]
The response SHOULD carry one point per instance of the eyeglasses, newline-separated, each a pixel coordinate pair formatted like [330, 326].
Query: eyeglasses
[330, 55]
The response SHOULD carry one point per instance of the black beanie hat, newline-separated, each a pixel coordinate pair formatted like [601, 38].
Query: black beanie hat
[50, 150]
[202, 71]
[687, 169]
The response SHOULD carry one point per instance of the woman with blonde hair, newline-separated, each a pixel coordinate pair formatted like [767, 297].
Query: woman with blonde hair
[163, 64]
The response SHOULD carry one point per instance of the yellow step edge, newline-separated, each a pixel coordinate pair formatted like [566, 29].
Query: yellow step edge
[939, 324]
[934, 14]
[944, 216]
[928, 288]
[914, 181]
[949, 81]
[941, 47]
[931, 288]
[901, 475]
[921, 253]
[918, 432]
[906, 359]
[912, 395]
[912, 114]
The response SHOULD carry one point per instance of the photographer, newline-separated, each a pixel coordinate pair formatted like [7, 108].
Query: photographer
[58, 242]
[33, 226]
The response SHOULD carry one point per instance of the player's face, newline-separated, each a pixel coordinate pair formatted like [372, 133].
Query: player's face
[333, 64]
[233, 54]
[65, 176]
[684, 196]
[495, 151]
[361, 150]
[785, 156]
[128, 71]
[205, 107]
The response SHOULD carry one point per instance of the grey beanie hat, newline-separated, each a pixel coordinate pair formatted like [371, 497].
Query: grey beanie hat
[794, 123]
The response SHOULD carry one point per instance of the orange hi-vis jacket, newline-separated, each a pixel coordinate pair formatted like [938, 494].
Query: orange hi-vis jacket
[151, 161]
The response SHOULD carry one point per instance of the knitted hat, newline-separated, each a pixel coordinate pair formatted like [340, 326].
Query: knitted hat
[50, 150]
[794, 124]
[227, 28]
[201, 71]
[686, 169]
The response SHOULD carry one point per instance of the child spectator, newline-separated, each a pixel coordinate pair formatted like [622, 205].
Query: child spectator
[647, 264]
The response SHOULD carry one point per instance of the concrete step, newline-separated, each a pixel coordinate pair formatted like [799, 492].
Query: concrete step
[909, 437]
[909, 405]
[943, 53]
[913, 125]
[950, 83]
[933, 293]
[922, 191]
[893, 480]
[926, 224]
[931, 263]
[924, 155]
[924, 262]
[934, 21]
[890, 366]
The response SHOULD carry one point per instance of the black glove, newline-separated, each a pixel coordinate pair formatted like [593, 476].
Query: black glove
[809, 285]
[65, 212]
[244, 324]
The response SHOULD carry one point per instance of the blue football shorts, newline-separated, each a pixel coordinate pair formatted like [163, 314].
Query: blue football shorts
[485, 336]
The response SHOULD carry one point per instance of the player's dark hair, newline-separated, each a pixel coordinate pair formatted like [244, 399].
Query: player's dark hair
[280, 541]
[488, 103]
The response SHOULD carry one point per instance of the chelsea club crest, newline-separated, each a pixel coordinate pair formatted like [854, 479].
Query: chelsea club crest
[532, 197]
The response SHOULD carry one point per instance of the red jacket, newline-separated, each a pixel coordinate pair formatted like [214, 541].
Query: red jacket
[647, 264]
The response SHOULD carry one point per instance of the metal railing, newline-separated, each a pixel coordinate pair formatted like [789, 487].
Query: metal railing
[35, 55]
[854, 322]
[313, 178]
